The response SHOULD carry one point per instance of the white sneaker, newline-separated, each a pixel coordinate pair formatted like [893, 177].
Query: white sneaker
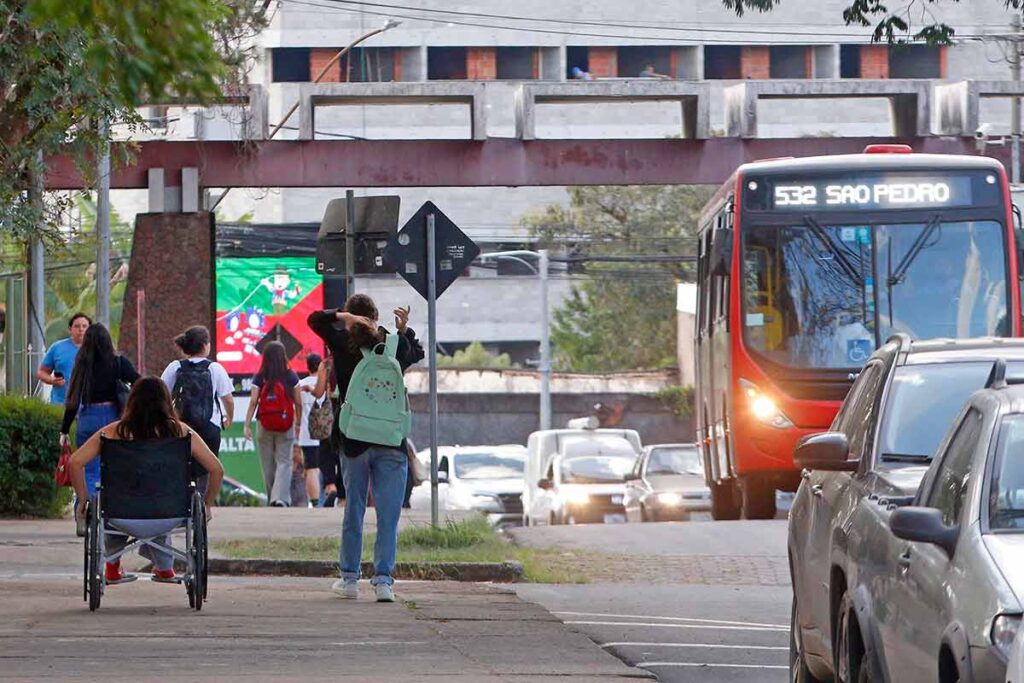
[346, 588]
[384, 592]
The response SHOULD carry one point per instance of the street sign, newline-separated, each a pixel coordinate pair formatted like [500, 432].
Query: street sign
[279, 333]
[453, 251]
[375, 219]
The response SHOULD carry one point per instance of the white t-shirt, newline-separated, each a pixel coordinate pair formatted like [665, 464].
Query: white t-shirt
[222, 385]
[308, 401]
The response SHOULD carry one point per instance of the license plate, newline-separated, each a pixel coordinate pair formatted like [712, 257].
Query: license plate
[614, 519]
[616, 500]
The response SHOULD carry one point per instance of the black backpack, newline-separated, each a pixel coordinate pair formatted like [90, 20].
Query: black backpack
[193, 393]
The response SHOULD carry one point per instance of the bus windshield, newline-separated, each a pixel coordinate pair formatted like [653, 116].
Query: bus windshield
[825, 296]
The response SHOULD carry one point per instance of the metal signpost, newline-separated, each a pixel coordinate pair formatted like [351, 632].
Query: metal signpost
[430, 252]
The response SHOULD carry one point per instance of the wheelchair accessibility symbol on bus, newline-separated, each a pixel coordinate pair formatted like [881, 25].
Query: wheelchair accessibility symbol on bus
[859, 350]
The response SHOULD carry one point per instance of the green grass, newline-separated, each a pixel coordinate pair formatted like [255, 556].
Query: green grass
[473, 540]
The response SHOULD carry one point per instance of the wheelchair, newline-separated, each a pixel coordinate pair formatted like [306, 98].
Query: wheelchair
[147, 480]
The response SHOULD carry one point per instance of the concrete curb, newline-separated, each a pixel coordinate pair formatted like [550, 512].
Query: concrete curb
[496, 572]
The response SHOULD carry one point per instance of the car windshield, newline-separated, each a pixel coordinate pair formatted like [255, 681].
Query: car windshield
[825, 296]
[923, 400]
[1006, 494]
[489, 465]
[683, 460]
[596, 469]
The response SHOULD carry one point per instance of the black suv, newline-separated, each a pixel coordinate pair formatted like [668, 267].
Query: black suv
[879, 448]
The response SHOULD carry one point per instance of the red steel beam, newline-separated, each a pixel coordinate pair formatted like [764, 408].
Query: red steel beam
[467, 163]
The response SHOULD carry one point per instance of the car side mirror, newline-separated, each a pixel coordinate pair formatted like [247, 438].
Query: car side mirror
[442, 476]
[825, 451]
[924, 525]
[545, 484]
[632, 476]
[721, 252]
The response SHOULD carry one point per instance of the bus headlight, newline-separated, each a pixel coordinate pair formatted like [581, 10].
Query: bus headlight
[763, 408]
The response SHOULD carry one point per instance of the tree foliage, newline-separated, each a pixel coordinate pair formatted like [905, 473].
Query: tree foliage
[64, 66]
[475, 356]
[890, 25]
[622, 315]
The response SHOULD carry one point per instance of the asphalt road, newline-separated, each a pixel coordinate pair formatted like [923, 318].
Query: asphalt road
[719, 613]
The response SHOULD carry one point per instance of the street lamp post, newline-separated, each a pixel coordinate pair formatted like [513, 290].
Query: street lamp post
[544, 365]
[388, 25]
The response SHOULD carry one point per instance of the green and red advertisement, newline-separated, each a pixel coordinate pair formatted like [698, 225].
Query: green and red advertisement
[262, 296]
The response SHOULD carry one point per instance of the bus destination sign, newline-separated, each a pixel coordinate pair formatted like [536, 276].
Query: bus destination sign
[875, 192]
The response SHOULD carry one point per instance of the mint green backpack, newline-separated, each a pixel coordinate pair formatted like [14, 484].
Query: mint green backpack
[376, 408]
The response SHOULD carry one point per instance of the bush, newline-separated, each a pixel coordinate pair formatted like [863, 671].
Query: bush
[678, 399]
[28, 454]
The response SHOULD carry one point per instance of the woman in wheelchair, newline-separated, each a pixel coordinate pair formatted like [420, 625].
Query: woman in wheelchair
[148, 416]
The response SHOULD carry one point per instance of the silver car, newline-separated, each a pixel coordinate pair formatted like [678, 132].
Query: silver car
[667, 484]
[488, 479]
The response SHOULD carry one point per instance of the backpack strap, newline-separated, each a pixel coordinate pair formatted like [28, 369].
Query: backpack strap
[391, 345]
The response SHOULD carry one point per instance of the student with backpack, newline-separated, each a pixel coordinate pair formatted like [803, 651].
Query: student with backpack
[201, 390]
[277, 403]
[374, 422]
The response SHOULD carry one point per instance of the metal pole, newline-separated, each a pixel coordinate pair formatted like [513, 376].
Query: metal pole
[36, 282]
[103, 231]
[545, 343]
[1015, 102]
[350, 243]
[432, 357]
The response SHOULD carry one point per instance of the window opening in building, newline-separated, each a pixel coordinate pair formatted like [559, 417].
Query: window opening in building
[576, 57]
[633, 60]
[517, 63]
[722, 61]
[289, 65]
[788, 61]
[446, 63]
[915, 61]
[368, 65]
[849, 61]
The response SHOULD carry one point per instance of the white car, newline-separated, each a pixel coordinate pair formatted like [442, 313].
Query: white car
[1015, 668]
[488, 479]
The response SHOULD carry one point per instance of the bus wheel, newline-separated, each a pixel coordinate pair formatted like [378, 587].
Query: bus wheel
[758, 499]
[724, 500]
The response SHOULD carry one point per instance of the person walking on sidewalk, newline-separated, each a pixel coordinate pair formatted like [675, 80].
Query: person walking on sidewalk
[275, 401]
[97, 386]
[200, 391]
[373, 448]
[310, 446]
[59, 360]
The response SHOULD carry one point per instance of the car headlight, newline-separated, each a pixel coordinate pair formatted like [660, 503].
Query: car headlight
[763, 408]
[1004, 631]
[670, 499]
[575, 497]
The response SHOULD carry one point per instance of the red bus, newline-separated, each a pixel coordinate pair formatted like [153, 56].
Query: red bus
[806, 266]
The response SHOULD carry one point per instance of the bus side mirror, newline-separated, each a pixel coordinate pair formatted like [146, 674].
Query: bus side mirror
[721, 252]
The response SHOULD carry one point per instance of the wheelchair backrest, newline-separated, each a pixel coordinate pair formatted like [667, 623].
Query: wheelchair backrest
[148, 479]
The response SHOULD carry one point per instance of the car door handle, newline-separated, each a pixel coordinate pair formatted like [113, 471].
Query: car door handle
[816, 490]
[904, 560]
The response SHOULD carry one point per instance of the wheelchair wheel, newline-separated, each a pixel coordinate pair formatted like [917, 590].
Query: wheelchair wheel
[196, 587]
[94, 580]
[85, 562]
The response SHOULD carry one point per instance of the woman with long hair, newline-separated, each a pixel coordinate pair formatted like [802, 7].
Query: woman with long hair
[148, 415]
[277, 402]
[364, 464]
[92, 396]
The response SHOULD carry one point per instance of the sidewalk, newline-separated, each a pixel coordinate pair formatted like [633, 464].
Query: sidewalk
[270, 629]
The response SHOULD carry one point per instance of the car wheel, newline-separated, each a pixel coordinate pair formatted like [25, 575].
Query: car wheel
[851, 663]
[724, 500]
[798, 671]
[758, 500]
[554, 520]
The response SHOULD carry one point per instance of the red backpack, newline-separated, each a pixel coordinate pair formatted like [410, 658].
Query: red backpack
[276, 411]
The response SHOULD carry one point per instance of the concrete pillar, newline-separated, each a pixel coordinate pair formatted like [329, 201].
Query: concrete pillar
[826, 61]
[552, 63]
[686, 320]
[411, 63]
[689, 63]
[755, 62]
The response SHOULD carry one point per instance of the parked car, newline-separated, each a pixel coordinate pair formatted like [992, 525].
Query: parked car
[578, 475]
[484, 478]
[667, 484]
[874, 458]
[1015, 670]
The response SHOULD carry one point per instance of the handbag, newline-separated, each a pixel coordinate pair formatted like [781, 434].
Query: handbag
[62, 472]
[122, 391]
[419, 472]
[321, 415]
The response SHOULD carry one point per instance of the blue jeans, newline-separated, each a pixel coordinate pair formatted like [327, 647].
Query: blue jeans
[386, 468]
[91, 419]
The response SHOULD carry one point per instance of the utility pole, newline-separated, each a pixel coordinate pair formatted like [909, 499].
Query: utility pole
[350, 243]
[1015, 45]
[103, 229]
[36, 276]
[545, 343]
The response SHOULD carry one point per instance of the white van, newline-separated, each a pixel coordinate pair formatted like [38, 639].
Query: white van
[578, 475]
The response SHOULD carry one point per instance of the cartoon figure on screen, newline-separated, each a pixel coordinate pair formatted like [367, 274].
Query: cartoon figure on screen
[245, 329]
[281, 289]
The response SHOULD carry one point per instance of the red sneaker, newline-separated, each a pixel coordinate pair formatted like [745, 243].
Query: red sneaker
[114, 573]
[164, 575]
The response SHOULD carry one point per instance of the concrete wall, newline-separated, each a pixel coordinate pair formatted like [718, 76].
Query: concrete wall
[477, 419]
